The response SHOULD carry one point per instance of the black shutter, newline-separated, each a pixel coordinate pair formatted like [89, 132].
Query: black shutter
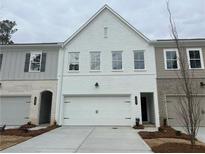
[1, 58]
[43, 62]
[27, 60]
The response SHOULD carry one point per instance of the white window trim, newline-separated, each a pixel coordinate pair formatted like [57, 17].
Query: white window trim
[90, 61]
[73, 71]
[117, 70]
[165, 59]
[201, 57]
[145, 68]
[35, 52]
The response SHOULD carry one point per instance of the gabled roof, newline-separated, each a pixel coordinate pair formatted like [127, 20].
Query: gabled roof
[98, 13]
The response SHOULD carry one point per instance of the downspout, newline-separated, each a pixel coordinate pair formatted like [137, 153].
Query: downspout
[59, 116]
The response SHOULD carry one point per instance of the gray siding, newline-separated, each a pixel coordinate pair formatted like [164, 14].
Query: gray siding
[14, 61]
[167, 84]
[162, 73]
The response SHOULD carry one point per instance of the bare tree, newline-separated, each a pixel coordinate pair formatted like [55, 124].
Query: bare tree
[188, 104]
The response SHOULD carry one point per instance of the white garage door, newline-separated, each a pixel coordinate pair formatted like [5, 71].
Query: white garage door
[14, 110]
[91, 110]
[174, 118]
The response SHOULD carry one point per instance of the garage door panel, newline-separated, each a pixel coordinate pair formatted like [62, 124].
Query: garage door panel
[97, 111]
[14, 110]
[173, 107]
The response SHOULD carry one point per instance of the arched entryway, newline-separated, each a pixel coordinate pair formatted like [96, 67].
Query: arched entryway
[45, 107]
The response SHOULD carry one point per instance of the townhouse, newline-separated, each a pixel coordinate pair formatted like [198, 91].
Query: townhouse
[168, 82]
[106, 73]
[28, 83]
[109, 74]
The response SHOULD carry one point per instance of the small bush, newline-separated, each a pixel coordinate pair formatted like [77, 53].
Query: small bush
[160, 129]
[178, 133]
[138, 127]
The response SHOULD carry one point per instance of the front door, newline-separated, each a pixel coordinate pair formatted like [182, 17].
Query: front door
[144, 108]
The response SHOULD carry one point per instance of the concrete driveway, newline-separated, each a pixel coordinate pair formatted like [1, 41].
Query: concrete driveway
[200, 135]
[85, 139]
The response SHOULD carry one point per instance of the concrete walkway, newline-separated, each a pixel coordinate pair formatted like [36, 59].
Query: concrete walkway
[85, 139]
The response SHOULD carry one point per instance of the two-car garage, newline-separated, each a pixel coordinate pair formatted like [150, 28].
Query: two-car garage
[97, 110]
[14, 110]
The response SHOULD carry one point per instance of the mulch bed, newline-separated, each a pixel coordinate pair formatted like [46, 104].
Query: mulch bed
[27, 133]
[178, 148]
[165, 132]
[8, 141]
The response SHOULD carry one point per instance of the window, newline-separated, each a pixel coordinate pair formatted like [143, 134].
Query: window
[95, 60]
[139, 60]
[117, 60]
[35, 62]
[105, 32]
[73, 61]
[195, 58]
[171, 59]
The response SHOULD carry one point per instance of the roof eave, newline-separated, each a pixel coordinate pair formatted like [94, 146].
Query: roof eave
[57, 44]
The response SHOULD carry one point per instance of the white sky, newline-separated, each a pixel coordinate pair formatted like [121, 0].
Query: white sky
[56, 20]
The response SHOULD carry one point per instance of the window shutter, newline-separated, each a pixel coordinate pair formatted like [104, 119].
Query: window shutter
[1, 58]
[27, 60]
[43, 62]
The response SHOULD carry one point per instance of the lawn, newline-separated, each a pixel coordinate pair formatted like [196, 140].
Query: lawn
[168, 140]
[8, 141]
[11, 137]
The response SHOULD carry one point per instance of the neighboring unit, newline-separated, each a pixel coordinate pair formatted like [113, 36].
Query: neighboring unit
[28, 83]
[168, 82]
[108, 76]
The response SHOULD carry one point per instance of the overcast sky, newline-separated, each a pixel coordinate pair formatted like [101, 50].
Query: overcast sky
[56, 20]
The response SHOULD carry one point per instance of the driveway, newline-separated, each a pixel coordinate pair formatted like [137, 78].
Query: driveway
[200, 135]
[85, 139]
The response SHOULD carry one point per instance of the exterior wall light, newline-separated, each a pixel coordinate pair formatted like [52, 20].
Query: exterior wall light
[35, 100]
[202, 84]
[96, 85]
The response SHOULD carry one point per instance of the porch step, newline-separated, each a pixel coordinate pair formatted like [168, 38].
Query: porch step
[148, 125]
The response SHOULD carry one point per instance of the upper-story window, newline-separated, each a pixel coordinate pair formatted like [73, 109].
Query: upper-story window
[35, 62]
[139, 63]
[94, 60]
[171, 59]
[117, 60]
[73, 61]
[195, 58]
